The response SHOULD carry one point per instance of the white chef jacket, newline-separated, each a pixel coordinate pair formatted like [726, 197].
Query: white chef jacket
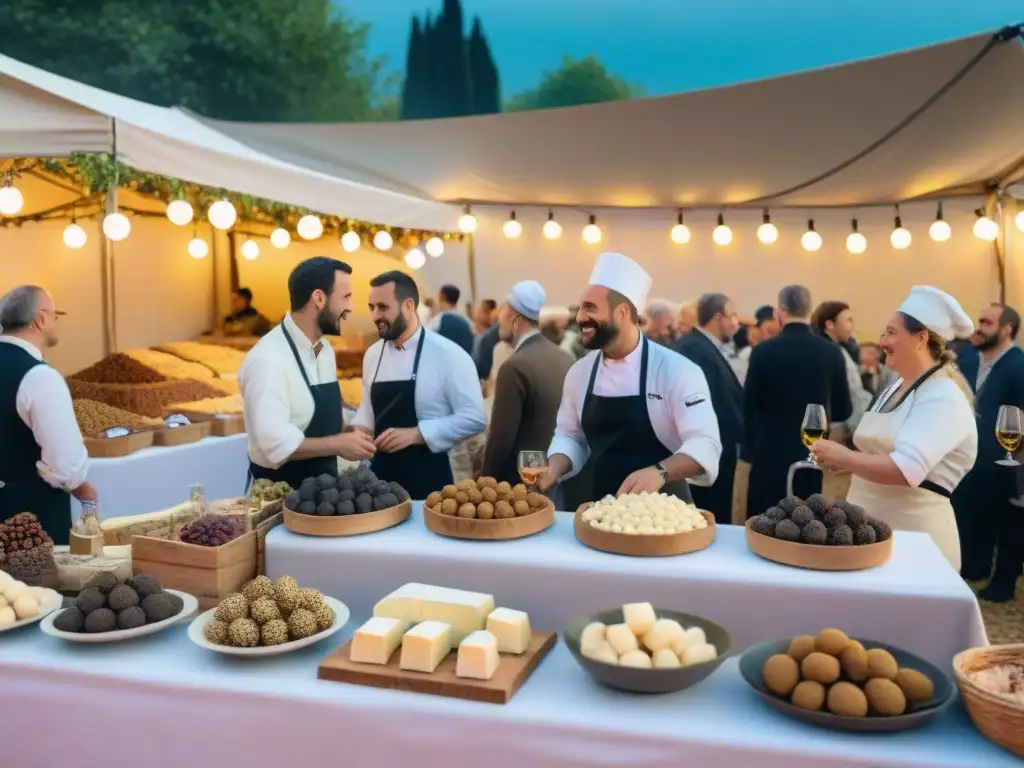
[678, 404]
[278, 404]
[43, 402]
[449, 403]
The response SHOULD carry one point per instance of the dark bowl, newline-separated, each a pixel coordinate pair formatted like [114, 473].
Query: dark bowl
[648, 680]
[752, 664]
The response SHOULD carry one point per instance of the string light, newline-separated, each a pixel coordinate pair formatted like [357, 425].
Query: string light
[74, 236]
[434, 246]
[310, 227]
[383, 240]
[512, 228]
[855, 241]
[1019, 220]
[467, 222]
[768, 233]
[414, 258]
[984, 227]
[351, 241]
[811, 240]
[250, 250]
[552, 229]
[939, 231]
[900, 237]
[222, 214]
[197, 248]
[116, 226]
[680, 232]
[592, 232]
[11, 199]
[721, 234]
[280, 238]
[179, 212]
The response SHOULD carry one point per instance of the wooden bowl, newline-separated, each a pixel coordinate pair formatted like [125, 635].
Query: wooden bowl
[819, 557]
[489, 530]
[346, 525]
[752, 666]
[1000, 719]
[648, 680]
[641, 545]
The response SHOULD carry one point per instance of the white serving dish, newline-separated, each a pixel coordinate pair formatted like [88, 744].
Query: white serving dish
[52, 603]
[190, 606]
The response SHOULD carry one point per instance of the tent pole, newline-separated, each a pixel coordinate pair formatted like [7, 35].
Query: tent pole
[994, 211]
[107, 285]
[471, 264]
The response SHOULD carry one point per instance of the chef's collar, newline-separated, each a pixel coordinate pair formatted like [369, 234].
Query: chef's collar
[408, 342]
[638, 350]
[301, 339]
[28, 346]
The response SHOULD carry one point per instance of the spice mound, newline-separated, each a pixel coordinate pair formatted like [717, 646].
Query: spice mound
[93, 417]
[144, 399]
[119, 369]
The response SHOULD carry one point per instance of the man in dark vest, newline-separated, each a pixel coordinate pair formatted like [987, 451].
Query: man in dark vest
[43, 461]
[449, 322]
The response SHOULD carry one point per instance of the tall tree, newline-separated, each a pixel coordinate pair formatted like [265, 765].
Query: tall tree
[577, 81]
[415, 69]
[483, 73]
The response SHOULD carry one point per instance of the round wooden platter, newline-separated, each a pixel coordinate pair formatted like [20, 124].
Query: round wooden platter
[642, 545]
[489, 530]
[346, 525]
[818, 557]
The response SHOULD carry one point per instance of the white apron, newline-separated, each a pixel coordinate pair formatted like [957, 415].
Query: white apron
[902, 507]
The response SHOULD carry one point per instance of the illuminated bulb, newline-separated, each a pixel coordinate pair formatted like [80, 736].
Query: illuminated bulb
[11, 200]
[309, 227]
[435, 246]
[467, 222]
[414, 258]
[280, 238]
[985, 228]
[222, 214]
[900, 238]
[116, 226]
[1019, 221]
[680, 232]
[512, 228]
[179, 212]
[767, 233]
[552, 229]
[592, 232]
[197, 248]
[351, 241]
[722, 235]
[811, 240]
[855, 241]
[383, 240]
[250, 251]
[74, 236]
[939, 231]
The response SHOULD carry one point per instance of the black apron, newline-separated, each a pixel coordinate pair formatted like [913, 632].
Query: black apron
[416, 468]
[621, 438]
[326, 421]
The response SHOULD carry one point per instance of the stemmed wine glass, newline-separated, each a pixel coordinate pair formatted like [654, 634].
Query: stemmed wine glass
[531, 464]
[1009, 432]
[813, 429]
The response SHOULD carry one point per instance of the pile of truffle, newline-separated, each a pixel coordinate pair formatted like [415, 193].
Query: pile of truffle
[106, 605]
[486, 498]
[815, 521]
[354, 492]
[212, 530]
[834, 672]
[19, 601]
[26, 551]
[269, 613]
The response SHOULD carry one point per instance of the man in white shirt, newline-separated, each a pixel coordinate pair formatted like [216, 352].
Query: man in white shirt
[421, 395]
[43, 460]
[636, 416]
[289, 382]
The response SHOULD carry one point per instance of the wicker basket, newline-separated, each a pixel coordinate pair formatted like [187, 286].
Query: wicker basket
[999, 719]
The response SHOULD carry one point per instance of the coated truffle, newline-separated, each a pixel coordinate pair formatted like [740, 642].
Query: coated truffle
[467, 510]
[145, 584]
[433, 499]
[231, 607]
[881, 663]
[884, 696]
[820, 667]
[841, 536]
[177, 604]
[286, 581]
[308, 492]
[264, 609]
[763, 524]
[101, 620]
[385, 501]
[287, 597]
[310, 599]
[801, 515]
[216, 632]
[261, 586]
[781, 674]
[301, 624]
[131, 617]
[326, 480]
[449, 507]
[883, 531]
[809, 695]
[790, 503]
[329, 496]
[855, 515]
[503, 510]
[364, 503]
[485, 510]
[775, 514]
[104, 582]
[274, 632]
[400, 493]
[801, 646]
[831, 641]
[847, 700]
[787, 530]
[244, 633]
[814, 532]
[834, 517]
[347, 507]
[324, 617]
[307, 507]
[864, 534]
[158, 607]
[70, 620]
[916, 686]
[854, 661]
[346, 496]
[90, 599]
[292, 501]
[817, 503]
[325, 510]
[121, 597]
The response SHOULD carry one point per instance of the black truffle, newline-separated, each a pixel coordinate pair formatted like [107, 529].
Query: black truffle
[385, 501]
[307, 508]
[104, 582]
[90, 599]
[775, 514]
[817, 503]
[400, 493]
[176, 602]
[346, 507]
[883, 531]
[787, 530]
[121, 597]
[834, 517]
[345, 484]
[864, 534]
[379, 489]
[145, 584]
[325, 510]
[346, 496]
[814, 532]
[763, 524]
[70, 620]
[841, 536]
[364, 503]
[856, 516]
[801, 515]
[292, 500]
[130, 618]
[790, 503]
[308, 492]
[158, 608]
[101, 620]
[326, 481]
[330, 496]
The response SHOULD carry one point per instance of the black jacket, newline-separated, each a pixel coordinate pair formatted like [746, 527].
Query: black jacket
[1004, 385]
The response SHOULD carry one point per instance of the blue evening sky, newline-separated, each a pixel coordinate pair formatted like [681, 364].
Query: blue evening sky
[677, 45]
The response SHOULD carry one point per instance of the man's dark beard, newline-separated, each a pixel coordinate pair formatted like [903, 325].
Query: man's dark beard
[328, 323]
[604, 334]
[987, 342]
[395, 328]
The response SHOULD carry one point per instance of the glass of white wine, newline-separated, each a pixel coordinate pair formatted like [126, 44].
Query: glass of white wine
[1009, 431]
[813, 429]
[531, 464]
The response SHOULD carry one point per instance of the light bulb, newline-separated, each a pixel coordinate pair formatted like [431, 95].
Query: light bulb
[11, 200]
[179, 212]
[351, 241]
[383, 240]
[250, 251]
[985, 228]
[222, 214]
[512, 228]
[116, 226]
[811, 240]
[900, 237]
[1019, 221]
[592, 232]
[940, 231]
[680, 233]
[721, 234]
[552, 229]
[856, 242]
[767, 233]
[280, 238]
[74, 236]
[435, 246]
[197, 248]
[309, 227]
[414, 258]
[467, 222]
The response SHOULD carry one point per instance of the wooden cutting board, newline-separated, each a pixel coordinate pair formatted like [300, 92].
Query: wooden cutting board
[512, 673]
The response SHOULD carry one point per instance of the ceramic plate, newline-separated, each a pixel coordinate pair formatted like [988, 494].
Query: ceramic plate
[189, 607]
[52, 602]
[198, 627]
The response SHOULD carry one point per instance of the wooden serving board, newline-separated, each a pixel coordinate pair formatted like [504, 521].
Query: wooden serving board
[346, 525]
[512, 673]
[641, 545]
[495, 529]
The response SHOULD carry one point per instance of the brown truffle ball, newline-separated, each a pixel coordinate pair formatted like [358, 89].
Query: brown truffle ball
[434, 499]
[286, 581]
[216, 632]
[324, 617]
[801, 646]
[465, 485]
[449, 491]
[487, 482]
[831, 641]
[854, 661]
[264, 609]
[232, 607]
[475, 496]
[287, 597]
[485, 510]
[882, 664]
[848, 700]
[885, 697]
[467, 510]
[489, 494]
[504, 487]
[274, 632]
[503, 510]
[261, 586]
[310, 598]
[449, 507]
[781, 674]
[461, 498]
[301, 624]
[820, 667]
[536, 500]
[809, 695]
[916, 686]
[519, 492]
[521, 508]
[857, 644]
[244, 633]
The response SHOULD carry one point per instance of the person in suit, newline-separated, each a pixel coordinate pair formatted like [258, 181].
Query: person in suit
[717, 321]
[529, 386]
[786, 374]
[451, 323]
[967, 360]
[661, 325]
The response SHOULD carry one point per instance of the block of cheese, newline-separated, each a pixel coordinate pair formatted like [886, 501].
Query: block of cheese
[511, 628]
[478, 656]
[466, 612]
[425, 646]
[376, 640]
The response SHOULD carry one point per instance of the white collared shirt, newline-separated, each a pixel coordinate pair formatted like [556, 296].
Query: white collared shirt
[278, 404]
[524, 337]
[449, 403]
[44, 404]
[678, 404]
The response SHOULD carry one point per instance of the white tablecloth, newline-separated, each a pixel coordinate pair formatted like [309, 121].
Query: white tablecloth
[161, 702]
[157, 478]
[915, 601]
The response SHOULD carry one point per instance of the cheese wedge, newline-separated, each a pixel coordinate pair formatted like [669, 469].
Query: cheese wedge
[511, 628]
[465, 612]
[478, 656]
[376, 640]
[425, 646]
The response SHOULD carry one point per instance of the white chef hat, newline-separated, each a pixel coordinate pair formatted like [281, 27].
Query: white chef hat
[527, 298]
[938, 312]
[620, 273]
[554, 313]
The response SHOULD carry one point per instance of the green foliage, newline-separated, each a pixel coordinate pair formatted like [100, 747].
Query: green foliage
[258, 60]
[577, 81]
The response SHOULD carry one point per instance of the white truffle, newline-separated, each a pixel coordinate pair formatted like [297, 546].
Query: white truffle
[621, 638]
[7, 616]
[665, 659]
[637, 659]
[601, 652]
[698, 654]
[3, 600]
[5, 579]
[639, 617]
[662, 634]
[593, 634]
[25, 606]
[13, 589]
[691, 636]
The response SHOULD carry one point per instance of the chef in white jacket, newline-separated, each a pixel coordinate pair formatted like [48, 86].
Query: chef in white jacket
[635, 416]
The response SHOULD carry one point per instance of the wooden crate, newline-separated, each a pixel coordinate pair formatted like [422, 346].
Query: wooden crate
[115, 447]
[261, 530]
[208, 573]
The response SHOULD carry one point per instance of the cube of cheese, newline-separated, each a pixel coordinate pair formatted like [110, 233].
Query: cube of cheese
[478, 656]
[639, 617]
[511, 628]
[621, 638]
[465, 612]
[376, 640]
[425, 646]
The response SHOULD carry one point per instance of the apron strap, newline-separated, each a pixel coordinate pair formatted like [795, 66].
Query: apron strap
[930, 485]
[298, 360]
[597, 364]
[920, 380]
[415, 362]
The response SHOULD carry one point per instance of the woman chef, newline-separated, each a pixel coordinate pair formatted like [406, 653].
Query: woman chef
[635, 416]
[919, 439]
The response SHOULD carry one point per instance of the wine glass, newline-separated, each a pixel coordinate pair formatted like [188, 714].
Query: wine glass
[813, 429]
[530, 464]
[1009, 432]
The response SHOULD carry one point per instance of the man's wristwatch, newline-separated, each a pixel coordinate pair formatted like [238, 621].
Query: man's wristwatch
[662, 471]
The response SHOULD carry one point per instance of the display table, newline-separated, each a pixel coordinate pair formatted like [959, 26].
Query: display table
[157, 478]
[915, 601]
[162, 702]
